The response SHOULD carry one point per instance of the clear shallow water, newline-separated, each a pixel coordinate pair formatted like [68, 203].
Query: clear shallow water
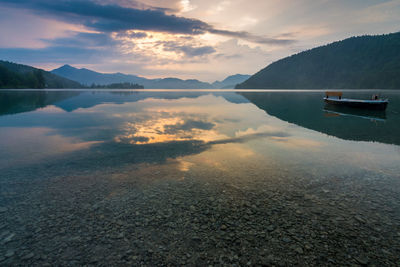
[130, 172]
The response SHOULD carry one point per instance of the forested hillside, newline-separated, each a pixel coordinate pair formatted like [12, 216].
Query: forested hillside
[359, 62]
[17, 76]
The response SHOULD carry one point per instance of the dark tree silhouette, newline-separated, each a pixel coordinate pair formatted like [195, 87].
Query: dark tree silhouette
[19, 76]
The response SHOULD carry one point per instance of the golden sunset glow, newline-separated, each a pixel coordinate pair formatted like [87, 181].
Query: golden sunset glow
[158, 45]
[159, 131]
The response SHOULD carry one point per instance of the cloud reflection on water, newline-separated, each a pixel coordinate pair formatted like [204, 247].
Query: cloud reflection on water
[30, 145]
[209, 119]
[159, 130]
[206, 130]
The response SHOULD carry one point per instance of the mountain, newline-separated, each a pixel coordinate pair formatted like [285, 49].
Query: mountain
[18, 76]
[175, 83]
[89, 77]
[231, 81]
[359, 62]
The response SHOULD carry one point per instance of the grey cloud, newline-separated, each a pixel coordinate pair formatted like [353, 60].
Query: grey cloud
[57, 54]
[251, 37]
[188, 50]
[137, 35]
[287, 35]
[221, 55]
[83, 39]
[132, 35]
[134, 4]
[111, 17]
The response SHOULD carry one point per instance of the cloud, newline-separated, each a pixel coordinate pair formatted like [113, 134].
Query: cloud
[187, 6]
[132, 35]
[109, 18]
[79, 47]
[83, 39]
[138, 5]
[252, 37]
[56, 55]
[116, 18]
[188, 50]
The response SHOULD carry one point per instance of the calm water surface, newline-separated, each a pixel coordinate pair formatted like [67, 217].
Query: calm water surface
[195, 178]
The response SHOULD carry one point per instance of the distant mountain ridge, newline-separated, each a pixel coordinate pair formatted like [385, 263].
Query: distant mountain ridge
[16, 76]
[366, 62]
[231, 81]
[13, 75]
[89, 77]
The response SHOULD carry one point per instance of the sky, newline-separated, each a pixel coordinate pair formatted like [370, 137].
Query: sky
[190, 39]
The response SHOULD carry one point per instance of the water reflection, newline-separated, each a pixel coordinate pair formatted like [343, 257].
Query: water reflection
[161, 177]
[162, 130]
[33, 145]
[309, 111]
[12, 102]
[108, 129]
[374, 115]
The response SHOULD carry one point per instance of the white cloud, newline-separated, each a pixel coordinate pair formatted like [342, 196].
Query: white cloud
[187, 6]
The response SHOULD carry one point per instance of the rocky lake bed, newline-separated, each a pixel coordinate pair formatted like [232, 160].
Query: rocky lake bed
[202, 219]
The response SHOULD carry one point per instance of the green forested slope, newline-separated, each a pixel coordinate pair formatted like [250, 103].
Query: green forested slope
[17, 76]
[355, 63]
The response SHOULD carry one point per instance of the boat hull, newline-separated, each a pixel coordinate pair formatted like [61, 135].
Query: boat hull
[354, 103]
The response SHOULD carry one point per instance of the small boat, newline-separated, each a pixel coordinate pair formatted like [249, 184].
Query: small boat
[335, 98]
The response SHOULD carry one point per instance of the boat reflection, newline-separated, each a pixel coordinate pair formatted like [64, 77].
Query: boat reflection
[375, 115]
[308, 111]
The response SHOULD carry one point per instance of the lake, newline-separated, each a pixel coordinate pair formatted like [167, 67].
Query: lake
[173, 177]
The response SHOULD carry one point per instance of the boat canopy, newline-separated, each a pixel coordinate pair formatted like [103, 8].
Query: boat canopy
[337, 94]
